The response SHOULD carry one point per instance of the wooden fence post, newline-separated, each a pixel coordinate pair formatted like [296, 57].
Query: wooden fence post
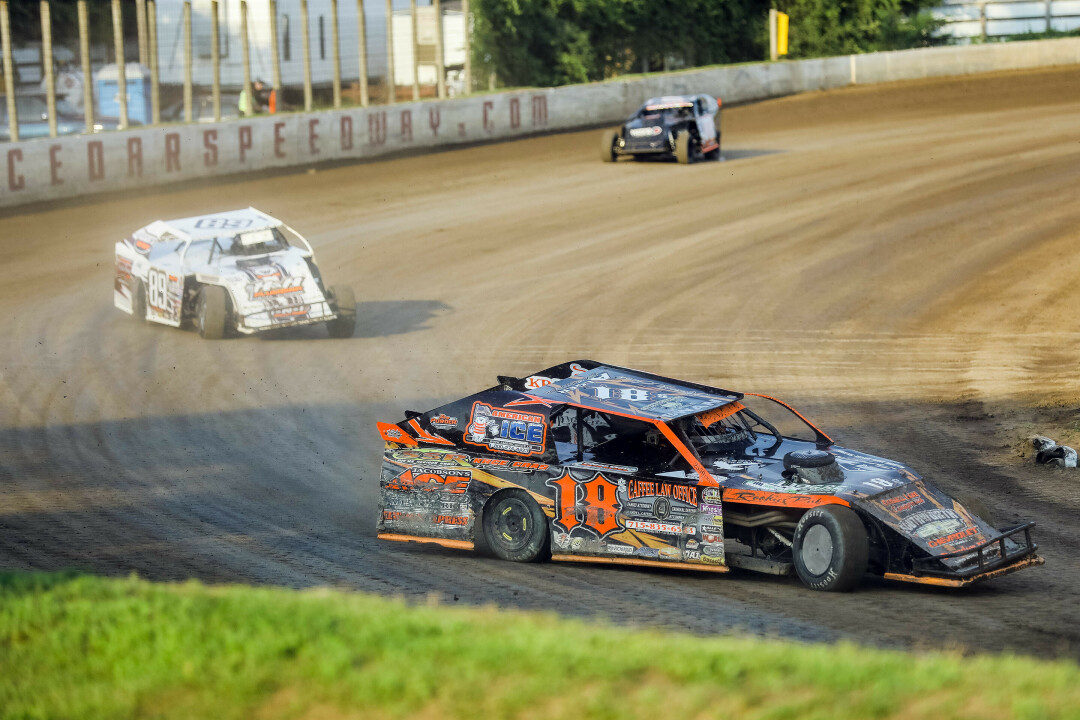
[440, 57]
[361, 34]
[391, 81]
[47, 61]
[307, 54]
[187, 61]
[121, 70]
[155, 80]
[87, 69]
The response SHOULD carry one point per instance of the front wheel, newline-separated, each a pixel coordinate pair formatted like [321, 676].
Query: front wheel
[830, 549]
[212, 312]
[607, 145]
[344, 304]
[515, 527]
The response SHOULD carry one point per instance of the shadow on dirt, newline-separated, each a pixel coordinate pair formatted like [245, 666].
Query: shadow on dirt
[374, 319]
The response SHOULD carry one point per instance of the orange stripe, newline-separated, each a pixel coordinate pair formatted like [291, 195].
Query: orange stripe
[704, 478]
[426, 436]
[639, 562]
[456, 544]
[393, 434]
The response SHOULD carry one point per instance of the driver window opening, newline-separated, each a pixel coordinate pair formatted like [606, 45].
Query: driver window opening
[591, 436]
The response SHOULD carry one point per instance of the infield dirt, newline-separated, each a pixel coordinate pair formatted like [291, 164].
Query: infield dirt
[899, 261]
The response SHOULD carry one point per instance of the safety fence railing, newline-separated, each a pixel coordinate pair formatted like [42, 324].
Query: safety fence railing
[966, 20]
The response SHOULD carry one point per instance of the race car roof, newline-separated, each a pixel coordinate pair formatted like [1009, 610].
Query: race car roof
[609, 388]
[669, 101]
[223, 224]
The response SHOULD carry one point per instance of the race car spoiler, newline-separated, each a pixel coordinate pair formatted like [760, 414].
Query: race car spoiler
[984, 564]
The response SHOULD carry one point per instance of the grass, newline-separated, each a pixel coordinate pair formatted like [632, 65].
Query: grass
[78, 646]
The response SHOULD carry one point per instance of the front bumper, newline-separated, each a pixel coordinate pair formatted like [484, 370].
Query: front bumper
[283, 317]
[992, 558]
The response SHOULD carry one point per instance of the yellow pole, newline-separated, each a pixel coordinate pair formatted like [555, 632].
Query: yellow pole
[46, 51]
[87, 71]
[781, 33]
[361, 34]
[121, 70]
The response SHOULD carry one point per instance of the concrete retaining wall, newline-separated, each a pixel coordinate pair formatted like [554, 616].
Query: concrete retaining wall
[48, 169]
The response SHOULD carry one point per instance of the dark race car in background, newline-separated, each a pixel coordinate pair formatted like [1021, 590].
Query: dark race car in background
[684, 127]
[596, 463]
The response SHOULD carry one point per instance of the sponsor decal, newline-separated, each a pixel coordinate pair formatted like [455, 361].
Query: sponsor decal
[661, 508]
[562, 539]
[710, 509]
[691, 544]
[427, 456]
[647, 552]
[451, 520]
[511, 465]
[714, 529]
[604, 467]
[264, 287]
[620, 549]
[658, 527]
[537, 381]
[713, 559]
[577, 543]
[645, 488]
[774, 498]
[931, 524]
[954, 537]
[400, 515]
[589, 504]
[883, 484]
[707, 537]
[692, 555]
[509, 431]
[903, 503]
[670, 553]
[710, 495]
[394, 433]
[443, 422]
[714, 550]
[453, 482]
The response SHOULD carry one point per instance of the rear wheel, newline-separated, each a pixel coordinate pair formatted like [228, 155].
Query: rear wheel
[344, 304]
[212, 312]
[685, 148]
[138, 300]
[515, 527]
[607, 145]
[830, 549]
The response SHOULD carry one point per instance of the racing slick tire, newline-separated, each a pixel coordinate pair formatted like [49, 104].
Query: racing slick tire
[684, 148]
[830, 549]
[515, 527]
[344, 304]
[138, 301]
[607, 145]
[212, 312]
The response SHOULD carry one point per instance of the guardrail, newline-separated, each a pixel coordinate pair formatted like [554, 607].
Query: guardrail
[56, 168]
[965, 19]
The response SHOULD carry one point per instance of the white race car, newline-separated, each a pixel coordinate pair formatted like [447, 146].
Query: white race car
[238, 271]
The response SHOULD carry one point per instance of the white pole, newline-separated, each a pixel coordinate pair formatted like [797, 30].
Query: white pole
[87, 71]
[121, 70]
[361, 34]
[391, 81]
[440, 59]
[46, 51]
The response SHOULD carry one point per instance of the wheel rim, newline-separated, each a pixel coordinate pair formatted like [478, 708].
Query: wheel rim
[817, 549]
[513, 524]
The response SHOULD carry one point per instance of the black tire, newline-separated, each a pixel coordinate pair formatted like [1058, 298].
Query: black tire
[830, 549]
[343, 302]
[684, 148]
[607, 145]
[515, 527]
[211, 313]
[138, 301]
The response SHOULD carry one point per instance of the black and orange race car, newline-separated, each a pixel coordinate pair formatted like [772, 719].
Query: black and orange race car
[595, 463]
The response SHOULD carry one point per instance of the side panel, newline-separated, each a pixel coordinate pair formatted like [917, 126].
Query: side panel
[122, 277]
[164, 294]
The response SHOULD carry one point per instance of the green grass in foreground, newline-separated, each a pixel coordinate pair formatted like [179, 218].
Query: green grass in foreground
[86, 647]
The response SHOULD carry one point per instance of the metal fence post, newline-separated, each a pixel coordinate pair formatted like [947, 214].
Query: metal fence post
[140, 27]
[415, 52]
[155, 81]
[215, 58]
[440, 58]
[187, 61]
[245, 51]
[121, 70]
[982, 21]
[307, 54]
[87, 70]
[337, 53]
[391, 81]
[9, 72]
[468, 46]
[47, 58]
[361, 34]
[275, 55]
[772, 35]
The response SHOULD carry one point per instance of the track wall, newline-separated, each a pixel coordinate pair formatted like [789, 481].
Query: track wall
[50, 169]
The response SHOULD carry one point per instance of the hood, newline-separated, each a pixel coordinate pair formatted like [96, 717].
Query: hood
[886, 490]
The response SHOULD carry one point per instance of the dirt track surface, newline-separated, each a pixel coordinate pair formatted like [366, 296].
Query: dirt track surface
[900, 261]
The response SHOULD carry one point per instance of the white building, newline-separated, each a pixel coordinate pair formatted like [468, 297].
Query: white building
[290, 40]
